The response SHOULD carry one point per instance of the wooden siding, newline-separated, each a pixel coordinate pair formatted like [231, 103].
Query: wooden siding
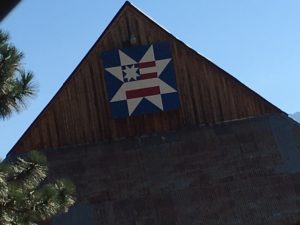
[79, 113]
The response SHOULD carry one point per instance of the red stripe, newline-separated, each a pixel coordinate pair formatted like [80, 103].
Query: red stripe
[142, 92]
[147, 76]
[147, 64]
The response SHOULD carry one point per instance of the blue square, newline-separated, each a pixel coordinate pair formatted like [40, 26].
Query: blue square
[140, 79]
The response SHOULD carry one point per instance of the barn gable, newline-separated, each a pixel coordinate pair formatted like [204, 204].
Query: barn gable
[80, 112]
[226, 156]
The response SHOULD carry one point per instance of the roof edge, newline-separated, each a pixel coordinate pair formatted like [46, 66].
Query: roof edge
[200, 55]
[127, 3]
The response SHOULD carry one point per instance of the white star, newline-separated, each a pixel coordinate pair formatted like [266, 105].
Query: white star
[131, 73]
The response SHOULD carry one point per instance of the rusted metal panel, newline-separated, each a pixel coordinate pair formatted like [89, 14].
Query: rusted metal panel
[79, 113]
[237, 172]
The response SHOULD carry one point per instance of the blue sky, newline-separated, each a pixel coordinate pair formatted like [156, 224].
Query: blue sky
[256, 41]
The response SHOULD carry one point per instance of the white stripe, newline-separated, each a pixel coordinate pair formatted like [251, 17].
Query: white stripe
[148, 70]
[121, 93]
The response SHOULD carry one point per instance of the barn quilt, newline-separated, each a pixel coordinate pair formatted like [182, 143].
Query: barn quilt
[140, 80]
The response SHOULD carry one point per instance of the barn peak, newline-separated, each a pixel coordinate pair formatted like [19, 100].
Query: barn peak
[81, 111]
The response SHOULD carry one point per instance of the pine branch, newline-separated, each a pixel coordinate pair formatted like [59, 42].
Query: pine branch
[16, 85]
[26, 200]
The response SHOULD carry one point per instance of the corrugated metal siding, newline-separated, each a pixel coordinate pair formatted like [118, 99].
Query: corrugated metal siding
[80, 113]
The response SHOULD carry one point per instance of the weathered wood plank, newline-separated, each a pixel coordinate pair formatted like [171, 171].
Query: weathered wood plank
[79, 113]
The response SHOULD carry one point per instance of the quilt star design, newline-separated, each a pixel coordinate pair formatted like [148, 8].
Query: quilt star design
[140, 80]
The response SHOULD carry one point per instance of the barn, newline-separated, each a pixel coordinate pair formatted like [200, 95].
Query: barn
[151, 132]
